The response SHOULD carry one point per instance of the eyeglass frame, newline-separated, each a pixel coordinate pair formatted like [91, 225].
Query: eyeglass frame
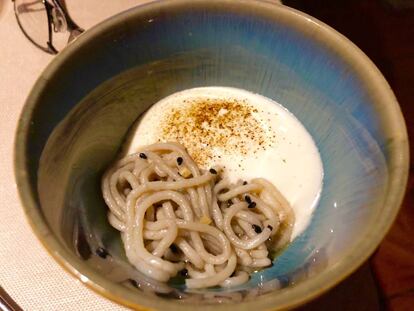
[71, 26]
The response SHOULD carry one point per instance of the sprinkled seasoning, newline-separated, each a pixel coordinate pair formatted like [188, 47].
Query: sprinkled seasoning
[174, 248]
[205, 220]
[244, 183]
[102, 252]
[257, 229]
[204, 124]
[143, 155]
[180, 160]
[133, 283]
[252, 205]
[270, 227]
[184, 272]
[184, 172]
[248, 199]
[213, 171]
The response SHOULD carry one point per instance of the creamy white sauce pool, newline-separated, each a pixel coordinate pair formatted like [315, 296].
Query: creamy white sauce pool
[251, 137]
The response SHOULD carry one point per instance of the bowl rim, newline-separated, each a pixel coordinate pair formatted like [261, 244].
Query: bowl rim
[389, 114]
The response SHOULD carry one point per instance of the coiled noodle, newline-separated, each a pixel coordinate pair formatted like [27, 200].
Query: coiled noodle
[174, 217]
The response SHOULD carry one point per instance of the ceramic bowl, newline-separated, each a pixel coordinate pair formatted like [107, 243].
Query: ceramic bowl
[80, 109]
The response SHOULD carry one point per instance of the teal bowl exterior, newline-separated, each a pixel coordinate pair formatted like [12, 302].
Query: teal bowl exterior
[83, 104]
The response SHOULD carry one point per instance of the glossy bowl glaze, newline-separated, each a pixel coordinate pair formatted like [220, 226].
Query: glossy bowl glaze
[83, 104]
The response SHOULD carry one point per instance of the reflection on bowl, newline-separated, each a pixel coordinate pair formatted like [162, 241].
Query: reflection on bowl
[81, 108]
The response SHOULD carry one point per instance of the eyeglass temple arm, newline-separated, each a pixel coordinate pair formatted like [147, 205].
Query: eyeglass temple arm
[71, 24]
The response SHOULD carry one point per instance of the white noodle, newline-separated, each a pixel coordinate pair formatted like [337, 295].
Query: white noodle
[169, 219]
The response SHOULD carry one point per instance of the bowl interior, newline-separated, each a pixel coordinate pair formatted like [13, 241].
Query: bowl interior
[86, 101]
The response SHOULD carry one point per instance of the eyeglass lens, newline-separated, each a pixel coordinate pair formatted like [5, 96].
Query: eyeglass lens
[32, 16]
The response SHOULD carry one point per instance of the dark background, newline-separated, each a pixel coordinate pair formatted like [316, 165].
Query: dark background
[384, 30]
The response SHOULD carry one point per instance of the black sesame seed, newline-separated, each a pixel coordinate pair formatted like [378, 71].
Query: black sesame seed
[174, 248]
[251, 205]
[270, 227]
[257, 229]
[213, 171]
[244, 183]
[229, 202]
[143, 155]
[102, 252]
[133, 282]
[248, 199]
[184, 272]
[180, 160]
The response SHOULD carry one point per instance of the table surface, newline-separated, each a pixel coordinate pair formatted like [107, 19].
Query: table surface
[386, 34]
[36, 282]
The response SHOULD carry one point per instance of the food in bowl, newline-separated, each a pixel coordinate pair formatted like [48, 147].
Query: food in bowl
[196, 215]
[83, 105]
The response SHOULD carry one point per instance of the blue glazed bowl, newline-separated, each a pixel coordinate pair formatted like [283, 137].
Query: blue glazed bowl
[83, 104]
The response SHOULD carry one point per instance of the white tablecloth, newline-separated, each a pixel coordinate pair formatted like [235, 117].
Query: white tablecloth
[29, 275]
[27, 272]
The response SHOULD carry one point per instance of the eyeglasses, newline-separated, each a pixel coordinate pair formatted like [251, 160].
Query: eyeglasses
[46, 23]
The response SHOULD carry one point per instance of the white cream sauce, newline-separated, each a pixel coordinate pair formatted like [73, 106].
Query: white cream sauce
[266, 141]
